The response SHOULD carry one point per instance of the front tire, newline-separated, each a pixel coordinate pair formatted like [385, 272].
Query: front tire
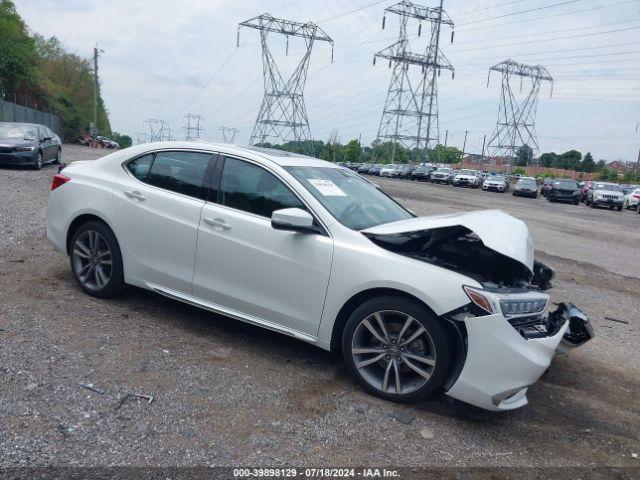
[396, 349]
[96, 260]
[39, 161]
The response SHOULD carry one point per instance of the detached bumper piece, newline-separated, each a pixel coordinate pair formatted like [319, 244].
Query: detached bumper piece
[580, 330]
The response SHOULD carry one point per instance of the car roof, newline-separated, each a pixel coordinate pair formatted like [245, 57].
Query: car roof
[25, 124]
[279, 157]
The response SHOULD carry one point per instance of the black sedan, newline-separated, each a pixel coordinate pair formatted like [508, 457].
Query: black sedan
[565, 190]
[526, 187]
[422, 173]
[28, 144]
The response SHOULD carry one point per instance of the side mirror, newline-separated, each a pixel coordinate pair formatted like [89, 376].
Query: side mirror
[293, 219]
[46, 139]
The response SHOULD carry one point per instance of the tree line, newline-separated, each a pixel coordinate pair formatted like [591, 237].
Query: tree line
[39, 72]
[353, 152]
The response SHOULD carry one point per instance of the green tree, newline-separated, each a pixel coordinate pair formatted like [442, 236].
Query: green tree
[18, 57]
[548, 160]
[600, 164]
[352, 151]
[588, 165]
[524, 155]
[123, 140]
[442, 154]
[519, 171]
[570, 160]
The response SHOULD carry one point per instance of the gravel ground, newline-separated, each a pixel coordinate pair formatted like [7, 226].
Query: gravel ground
[226, 393]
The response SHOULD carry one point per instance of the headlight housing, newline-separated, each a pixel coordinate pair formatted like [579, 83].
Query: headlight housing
[511, 305]
[25, 149]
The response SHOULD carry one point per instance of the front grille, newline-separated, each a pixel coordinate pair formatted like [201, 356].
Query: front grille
[609, 197]
[531, 327]
[6, 150]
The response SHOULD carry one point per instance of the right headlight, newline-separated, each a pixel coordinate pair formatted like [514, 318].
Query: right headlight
[509, 304]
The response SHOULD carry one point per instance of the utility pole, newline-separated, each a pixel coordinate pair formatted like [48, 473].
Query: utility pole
[283, 114]
[464, 147]
[94, 128]
[638, 165]
[410, 115]
[484, 142]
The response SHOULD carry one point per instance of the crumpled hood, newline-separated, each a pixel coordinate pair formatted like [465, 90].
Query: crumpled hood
[497, 230]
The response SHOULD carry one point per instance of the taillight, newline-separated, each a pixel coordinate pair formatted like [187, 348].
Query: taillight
[59, 180]
[637, 196]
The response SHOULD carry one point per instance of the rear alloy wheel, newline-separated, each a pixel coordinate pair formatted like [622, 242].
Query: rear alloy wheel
[37, 165]
[96, 260]
[396, 349]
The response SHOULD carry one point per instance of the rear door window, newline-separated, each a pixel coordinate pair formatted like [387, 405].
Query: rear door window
[180, 172]
[140, 167]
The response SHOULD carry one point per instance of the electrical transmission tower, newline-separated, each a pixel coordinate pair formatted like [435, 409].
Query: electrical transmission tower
[283, 114]
[229, 134]
[410, 115]
[141, 137]
[516, 124]
[192, 128]
[155, 129]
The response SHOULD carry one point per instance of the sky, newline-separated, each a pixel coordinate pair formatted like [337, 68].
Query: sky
[164, 59]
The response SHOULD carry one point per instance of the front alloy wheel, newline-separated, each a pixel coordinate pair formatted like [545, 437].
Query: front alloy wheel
[39, 161]
[396, 349]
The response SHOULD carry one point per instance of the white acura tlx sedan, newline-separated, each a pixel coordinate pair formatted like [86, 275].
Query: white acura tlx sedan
[416, 305]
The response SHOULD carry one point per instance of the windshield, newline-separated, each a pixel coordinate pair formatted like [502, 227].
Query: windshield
[17, 132]
[467, 172]
[497, 178]
[609, 187]
[443, 170]
[527, 183]
[566, 184]
[352, 200]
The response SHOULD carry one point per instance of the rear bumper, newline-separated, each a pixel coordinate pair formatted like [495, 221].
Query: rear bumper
[502, 362]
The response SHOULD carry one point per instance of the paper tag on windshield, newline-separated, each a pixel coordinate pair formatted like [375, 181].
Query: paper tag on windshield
[327, 188]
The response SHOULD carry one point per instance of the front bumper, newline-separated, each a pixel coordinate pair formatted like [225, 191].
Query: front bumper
[502, 362]
[463, 183]
[496, 188]
[18, 158]
[606, 202]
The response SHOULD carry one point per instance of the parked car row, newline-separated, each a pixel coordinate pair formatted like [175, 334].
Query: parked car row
[592, 193]
[101, 142]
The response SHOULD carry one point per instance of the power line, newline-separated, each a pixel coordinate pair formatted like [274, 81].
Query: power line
[550, 39]
[487, 8]
[555, 15]
[520, 12]
[350, 12]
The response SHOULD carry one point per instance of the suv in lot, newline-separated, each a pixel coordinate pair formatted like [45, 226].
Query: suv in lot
[441, 175]
[303, 247]
[466, 178]
[602, 194]
[564, 190]
[526, 187]
[422, 173]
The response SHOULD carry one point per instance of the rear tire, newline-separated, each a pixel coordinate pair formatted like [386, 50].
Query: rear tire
[56, 159]
[96, 260]
[406, 361]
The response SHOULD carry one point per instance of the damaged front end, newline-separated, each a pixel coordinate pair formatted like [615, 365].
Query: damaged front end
[507, 313]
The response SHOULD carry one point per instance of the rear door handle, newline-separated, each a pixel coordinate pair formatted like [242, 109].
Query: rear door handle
[135, 195]
[217, 222]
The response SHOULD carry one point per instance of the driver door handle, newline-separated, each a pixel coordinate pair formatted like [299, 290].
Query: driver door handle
[135, 195]
[217, 222]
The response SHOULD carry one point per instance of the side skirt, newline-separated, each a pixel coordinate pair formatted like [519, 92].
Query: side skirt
[228, 312]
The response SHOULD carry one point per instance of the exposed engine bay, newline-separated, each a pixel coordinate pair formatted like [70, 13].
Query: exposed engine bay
[459, 249]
